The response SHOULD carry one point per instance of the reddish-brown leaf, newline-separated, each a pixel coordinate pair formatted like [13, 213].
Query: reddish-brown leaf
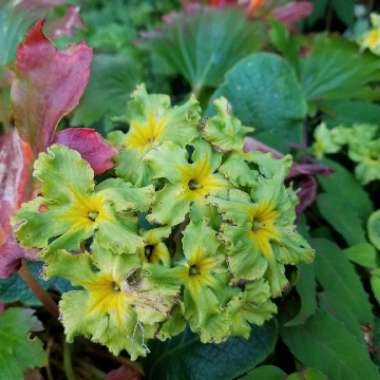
[15, 165]
[90, 145]
[47, 86]
[293, 12]
[123, 373]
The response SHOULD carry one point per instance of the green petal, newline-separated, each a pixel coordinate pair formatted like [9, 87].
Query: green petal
[181, 122]
[131, 336]
[269, 166]
[251, 306]
[237, 170]
[124, 197]
[77, 268]
[120, 235]
[165, 160]
[169, 208]
[61, 172]
[33, 228]
[224, 131]
[245, 261]
[131, 166]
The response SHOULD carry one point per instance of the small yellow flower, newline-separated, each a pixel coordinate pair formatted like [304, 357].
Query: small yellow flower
[86, 211]
[154, 250]
[198, 181]
[145, 135]
[197, 271]
[263, 230]
[106, 296]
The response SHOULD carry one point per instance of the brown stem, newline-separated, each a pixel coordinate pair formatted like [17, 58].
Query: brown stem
[38, 290]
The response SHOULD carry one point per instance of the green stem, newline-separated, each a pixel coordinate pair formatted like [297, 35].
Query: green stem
[67, 362]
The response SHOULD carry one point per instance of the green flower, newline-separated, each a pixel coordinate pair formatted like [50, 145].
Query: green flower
[121, 303]
[152, 121]
[325, 141]
[70, 209]
[205, 277]
[363, 146]
[224, 131]
[187, 181]
[259, 230]
[371, 39]
[252, 306]
[155, 250]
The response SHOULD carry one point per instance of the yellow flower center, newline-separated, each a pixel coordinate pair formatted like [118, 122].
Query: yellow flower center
[197, 271]
[198, 181]
[143, 136]
[107, 297]
[86, 211]
[263, 217]
[373, 38]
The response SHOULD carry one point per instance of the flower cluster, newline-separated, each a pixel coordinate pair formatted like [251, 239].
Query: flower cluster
[363, 147]
[187, 231]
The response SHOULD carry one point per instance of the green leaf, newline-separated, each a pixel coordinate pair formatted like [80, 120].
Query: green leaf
[324, 343]
[17, 351]
[306, 289]
[184, 357]
[14, 289]
[204, 45]
[328, 72]
[341, 283]
[363, 254]
[308, 374]
[14, 25]
[266, 372]
[339, 214]
[376, 341]
[345, 10]
[375, 284]
[113, 78]
[374, 229]
[350, 112]
[263, 82]
[343, 184]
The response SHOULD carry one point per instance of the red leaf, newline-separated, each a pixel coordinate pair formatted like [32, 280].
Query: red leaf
[15, 166]
[293, 12]
[47, 86]
[90, 145]
[123, 373]
[66, 25]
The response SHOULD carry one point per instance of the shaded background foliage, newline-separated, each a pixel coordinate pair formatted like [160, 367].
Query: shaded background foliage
[281, 81]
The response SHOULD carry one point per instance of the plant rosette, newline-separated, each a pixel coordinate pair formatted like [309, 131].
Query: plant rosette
[188, 230]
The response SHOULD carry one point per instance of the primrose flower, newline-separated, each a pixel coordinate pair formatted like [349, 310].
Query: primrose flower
[71, 210]
[258, 228]
[224, 131]
[371, 39]
[253, 305]
[120, 303]
[363, 146]
[205, 276]
[325, 141]
[155, 250]
[190, 179]
[151, 122]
